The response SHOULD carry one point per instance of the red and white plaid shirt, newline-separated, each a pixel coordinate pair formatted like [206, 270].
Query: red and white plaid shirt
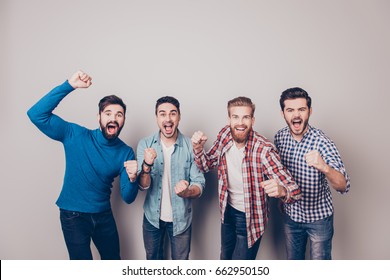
[261, 162]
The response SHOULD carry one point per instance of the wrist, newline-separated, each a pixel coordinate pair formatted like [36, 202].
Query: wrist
[147, 164]
[198, 151]
[326, 169]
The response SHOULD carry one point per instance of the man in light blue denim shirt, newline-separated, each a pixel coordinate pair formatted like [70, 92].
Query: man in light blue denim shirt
[167, 170]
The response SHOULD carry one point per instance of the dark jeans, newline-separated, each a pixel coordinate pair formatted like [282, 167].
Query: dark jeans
[154, 241]
[320, 234]
[79, 228]
[234, 242]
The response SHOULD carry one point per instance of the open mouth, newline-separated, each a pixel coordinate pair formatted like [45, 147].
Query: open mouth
[296, 123]
[112, 128]
[168, 127]
[240, 129]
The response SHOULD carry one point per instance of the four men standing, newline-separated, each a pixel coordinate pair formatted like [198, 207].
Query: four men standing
[170, 166]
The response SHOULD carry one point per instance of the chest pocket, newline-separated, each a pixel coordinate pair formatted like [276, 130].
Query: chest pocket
[184, 170]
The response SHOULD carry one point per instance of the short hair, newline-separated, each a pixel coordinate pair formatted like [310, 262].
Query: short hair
[168, 99]
[109, 100]
[294, 93]
[240, 102]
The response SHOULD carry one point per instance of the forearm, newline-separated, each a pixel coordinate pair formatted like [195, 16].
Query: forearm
[336, 179]
[144, 181]
[129, 190]
[193, 191]
[144, 178]
[293, 193]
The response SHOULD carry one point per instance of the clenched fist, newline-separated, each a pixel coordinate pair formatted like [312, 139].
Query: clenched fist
[273, 189]
[181, 188]
[80, 80]
[198, 140]
[313, 158]
[150, 155]
[131, 169]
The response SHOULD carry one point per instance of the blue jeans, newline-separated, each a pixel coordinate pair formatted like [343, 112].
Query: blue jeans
[80, 228]
[234, 241]
[320, 234]
[154, 241]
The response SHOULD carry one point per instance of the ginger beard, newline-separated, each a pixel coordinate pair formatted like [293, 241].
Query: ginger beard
[240, 133]
[241, 121]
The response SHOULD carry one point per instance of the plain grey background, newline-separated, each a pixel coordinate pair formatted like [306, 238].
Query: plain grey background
[204, 53]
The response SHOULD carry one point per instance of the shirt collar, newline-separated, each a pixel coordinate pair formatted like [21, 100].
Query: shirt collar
[179, 139]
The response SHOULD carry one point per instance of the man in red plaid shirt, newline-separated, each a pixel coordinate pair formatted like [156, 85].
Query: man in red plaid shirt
[249, 168]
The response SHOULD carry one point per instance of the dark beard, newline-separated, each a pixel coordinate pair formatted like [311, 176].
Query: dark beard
[108, 136]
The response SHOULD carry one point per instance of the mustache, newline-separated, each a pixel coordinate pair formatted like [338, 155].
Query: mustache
[241, 126]
[112, 122]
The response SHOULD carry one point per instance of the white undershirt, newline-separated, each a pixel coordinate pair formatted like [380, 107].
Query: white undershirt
[234, 158]
[166, 203]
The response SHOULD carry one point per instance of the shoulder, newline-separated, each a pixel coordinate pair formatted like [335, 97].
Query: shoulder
[282, 132]
[148, 141]
[320, 136]
[224, 132]
[124, 149]
[261, 142]
[185, 141]
[76, 130]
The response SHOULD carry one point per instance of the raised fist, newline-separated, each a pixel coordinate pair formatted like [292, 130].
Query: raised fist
[198, 140]
[80, 80]
[131, 169]
[150, 155]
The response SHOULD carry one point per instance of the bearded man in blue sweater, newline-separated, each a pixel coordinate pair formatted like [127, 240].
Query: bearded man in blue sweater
[93, 159]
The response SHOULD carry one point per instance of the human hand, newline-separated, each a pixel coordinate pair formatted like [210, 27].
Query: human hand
[198, 140]
[150, 155]
[314, 159]
[273, 188]
[131, 169]
[80, 80]
[181, 188]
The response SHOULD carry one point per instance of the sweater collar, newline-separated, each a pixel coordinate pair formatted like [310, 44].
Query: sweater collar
[103, 140]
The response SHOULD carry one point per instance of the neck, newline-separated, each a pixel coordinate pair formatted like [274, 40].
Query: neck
[168, 141]
[298, 137]
[239, 145]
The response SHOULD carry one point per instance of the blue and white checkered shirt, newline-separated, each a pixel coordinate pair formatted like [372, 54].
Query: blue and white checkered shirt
[316, 202]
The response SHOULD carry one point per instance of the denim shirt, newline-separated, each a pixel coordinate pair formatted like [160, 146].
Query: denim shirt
[183, 167]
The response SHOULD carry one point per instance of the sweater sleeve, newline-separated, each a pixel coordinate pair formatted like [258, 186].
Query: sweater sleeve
[41, 114]
[128, 189]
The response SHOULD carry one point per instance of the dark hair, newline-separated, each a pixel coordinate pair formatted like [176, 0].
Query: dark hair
[168, 99]
[294, 93]
[241, 101]
[109, 100]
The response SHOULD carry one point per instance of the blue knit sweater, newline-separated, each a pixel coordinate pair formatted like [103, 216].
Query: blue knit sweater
[92, 161]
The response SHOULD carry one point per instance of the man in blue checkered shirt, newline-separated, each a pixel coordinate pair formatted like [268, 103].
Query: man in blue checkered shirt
[316, 165]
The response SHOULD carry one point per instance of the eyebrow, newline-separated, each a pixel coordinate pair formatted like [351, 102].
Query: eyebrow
[110, 111]
[290, 108]
[163, 111]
